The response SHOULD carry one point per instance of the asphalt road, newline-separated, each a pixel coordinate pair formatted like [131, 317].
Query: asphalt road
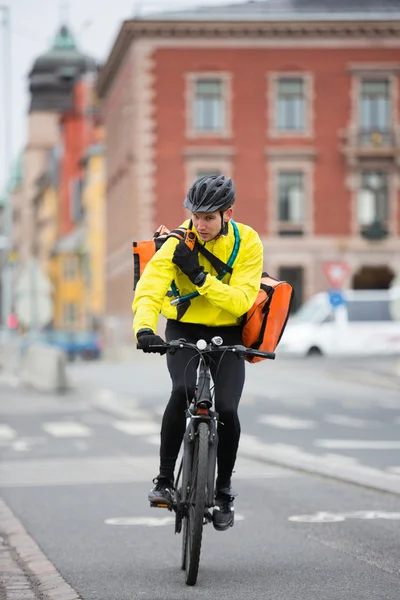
[76, 470]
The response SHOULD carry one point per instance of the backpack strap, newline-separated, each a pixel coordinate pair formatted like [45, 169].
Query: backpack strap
[217, 263]
[231, 260]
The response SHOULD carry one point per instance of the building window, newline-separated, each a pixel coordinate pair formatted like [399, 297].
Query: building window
[373, 198]
[290, 105]
[209, 109]
[290, 202]
[76, 208]
[71, 270]
[207, 172]
[70, 314]
[374, 106]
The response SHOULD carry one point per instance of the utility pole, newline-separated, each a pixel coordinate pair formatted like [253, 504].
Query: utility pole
[7, 220]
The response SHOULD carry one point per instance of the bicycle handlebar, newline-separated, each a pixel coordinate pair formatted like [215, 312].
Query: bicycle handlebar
[203, 347]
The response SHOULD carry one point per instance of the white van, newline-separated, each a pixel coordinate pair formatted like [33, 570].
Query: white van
[368, 323]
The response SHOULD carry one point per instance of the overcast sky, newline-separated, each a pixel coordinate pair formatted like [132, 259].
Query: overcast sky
[33, 25]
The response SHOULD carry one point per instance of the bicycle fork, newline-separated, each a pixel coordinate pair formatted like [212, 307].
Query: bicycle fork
[189, 454]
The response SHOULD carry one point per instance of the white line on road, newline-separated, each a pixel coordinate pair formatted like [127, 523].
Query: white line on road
[149, 521]
[285, 422]
[7, 433]
[395, 470]
[295, 458]
[351, 422]
[358, 444]
[64, 429]
[341, 459]
[137, 428]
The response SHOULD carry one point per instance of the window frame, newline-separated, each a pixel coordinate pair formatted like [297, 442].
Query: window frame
[281, 164]
[273, 81]
[226, 98]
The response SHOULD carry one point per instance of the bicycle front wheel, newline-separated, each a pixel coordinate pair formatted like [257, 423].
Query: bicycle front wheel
[196, 505]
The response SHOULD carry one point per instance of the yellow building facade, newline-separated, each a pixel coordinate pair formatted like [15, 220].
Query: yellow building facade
[93, 201]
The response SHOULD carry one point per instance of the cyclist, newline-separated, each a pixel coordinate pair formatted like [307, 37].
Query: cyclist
[218, 310]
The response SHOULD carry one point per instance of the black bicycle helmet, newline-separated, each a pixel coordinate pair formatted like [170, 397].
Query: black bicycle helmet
[210, 193]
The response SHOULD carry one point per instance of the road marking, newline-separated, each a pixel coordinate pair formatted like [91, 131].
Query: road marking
[341, 459]
[25, 444]
[394, 470]
[351, 421]
[76, 471]
[149, 521]
[62, 429]
[137, 428]
[295, 458]
[284, 422]
[331, 517]
[358, 444]
[7, 433]
[118, 469]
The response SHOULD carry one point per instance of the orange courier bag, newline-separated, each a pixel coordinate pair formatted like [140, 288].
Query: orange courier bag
[144, 251]
[266, 320]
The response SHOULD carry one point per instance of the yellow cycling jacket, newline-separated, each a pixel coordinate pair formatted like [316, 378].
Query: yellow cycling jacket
[221, 303]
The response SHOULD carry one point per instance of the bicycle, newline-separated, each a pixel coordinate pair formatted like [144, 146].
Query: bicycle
[194, 496]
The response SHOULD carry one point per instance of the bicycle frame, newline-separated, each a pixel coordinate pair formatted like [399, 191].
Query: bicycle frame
[202, 412]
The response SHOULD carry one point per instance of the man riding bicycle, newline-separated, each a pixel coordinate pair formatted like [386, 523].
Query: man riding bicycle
[217, 311]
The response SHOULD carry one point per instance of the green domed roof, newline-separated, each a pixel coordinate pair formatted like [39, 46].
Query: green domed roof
[54, 73]
[63, 51]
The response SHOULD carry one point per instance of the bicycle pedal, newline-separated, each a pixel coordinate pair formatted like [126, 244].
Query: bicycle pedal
[159, 505]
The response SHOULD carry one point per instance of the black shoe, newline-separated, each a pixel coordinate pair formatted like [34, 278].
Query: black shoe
[224, 512]
[163, 492]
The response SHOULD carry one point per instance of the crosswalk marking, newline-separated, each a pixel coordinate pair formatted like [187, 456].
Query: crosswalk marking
[351, 421]
[358, 444]
[7, 433]
[137, 428]
[62, 429]
[286, 422]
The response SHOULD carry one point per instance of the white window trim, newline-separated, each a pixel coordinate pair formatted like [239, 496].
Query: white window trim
[393, 190]
[274, 168]
[373, 73]
[191, 80]
[272, 99]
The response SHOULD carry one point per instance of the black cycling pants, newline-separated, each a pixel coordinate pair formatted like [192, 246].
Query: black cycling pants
[228, 384]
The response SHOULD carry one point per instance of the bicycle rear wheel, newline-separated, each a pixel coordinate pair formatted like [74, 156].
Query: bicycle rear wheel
[196, 505]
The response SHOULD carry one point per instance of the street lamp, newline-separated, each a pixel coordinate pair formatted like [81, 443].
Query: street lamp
[7, 218]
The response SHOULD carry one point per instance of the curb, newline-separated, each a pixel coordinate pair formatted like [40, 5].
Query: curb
[38, 578]
[280, 454]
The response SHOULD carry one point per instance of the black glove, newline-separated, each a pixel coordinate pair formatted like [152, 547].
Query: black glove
[188, 262]
[147, 338]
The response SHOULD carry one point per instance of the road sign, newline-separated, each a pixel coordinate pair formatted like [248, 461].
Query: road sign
[33, 278]
[336, 272]
[336, 298]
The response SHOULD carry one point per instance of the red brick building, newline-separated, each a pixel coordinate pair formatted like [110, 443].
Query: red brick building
[301, 108]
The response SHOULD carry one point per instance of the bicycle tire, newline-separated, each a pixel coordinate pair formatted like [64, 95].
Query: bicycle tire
[196, 505]
[184, 544]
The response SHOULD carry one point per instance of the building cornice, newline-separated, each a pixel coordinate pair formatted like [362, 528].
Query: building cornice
[217, 30]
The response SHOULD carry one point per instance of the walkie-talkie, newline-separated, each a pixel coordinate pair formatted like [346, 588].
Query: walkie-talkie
[190, 236]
